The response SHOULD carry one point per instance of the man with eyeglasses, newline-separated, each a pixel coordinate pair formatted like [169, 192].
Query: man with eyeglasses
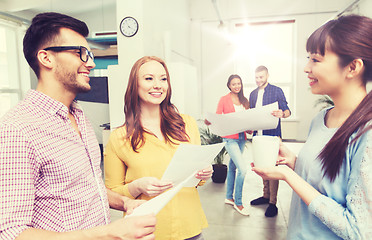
[51, 183]
[85, 54]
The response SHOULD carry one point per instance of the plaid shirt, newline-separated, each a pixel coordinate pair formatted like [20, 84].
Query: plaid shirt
[271, 94]
[50, 178]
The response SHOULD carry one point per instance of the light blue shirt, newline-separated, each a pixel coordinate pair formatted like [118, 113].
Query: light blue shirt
[344, 210]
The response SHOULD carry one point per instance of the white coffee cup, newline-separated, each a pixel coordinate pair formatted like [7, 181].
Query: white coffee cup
[265, 151]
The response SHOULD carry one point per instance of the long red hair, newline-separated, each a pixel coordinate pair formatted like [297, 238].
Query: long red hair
[172, 125]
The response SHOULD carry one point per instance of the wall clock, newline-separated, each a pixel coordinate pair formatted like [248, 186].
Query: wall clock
[129, 26]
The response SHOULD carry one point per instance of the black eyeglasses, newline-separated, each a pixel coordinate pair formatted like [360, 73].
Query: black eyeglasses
[83, 51]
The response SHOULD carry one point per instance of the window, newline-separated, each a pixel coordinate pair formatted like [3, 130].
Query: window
[270, 44]
[13, 81]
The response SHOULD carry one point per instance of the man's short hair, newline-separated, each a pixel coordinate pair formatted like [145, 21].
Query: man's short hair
[44, 30]
[261, 69]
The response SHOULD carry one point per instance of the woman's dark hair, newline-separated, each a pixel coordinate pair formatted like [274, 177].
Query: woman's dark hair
[171, 124]
[242, 99]
[44, 30]
[349, 37]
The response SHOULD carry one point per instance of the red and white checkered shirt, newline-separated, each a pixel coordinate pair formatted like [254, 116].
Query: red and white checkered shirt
[50, 178]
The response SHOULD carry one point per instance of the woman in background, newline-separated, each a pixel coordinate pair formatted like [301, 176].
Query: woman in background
[332, 175]
[235, 101]
[139, 152]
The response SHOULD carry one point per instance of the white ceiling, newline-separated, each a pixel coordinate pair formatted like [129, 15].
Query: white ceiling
[65, 6]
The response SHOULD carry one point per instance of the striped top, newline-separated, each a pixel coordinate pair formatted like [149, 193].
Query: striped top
[50, 177]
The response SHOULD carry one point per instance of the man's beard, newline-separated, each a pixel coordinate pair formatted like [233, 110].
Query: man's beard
[69, 81]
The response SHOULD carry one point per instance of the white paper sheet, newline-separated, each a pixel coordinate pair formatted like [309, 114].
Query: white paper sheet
[189, 159]
[259, 118]
[157, 203]
[186, 162]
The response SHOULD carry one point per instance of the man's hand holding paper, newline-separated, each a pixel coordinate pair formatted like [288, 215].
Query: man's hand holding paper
[259, 118]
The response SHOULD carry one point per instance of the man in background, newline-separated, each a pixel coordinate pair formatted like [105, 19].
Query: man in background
[51, 183]
[265, 94]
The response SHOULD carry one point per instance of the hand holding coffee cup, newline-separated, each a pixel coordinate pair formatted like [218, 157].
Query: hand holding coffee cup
[265, 151]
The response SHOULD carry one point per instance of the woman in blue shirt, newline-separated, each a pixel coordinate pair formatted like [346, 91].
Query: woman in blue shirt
[332, 175]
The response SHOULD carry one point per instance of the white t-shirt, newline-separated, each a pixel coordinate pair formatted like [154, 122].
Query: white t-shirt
[259, 104]
[239, 108]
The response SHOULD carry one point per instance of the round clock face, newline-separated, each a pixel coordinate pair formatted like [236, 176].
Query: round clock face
[129, 26]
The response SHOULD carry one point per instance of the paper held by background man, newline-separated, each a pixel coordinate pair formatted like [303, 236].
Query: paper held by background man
[259, 118]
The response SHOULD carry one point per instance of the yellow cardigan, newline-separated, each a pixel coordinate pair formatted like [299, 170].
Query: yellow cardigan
[183, 216]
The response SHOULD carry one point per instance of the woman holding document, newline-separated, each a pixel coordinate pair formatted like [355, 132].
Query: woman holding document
[139, 152]
[332, 175]
[235, 101]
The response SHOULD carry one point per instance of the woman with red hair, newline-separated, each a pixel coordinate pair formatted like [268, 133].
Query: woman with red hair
[139, 152]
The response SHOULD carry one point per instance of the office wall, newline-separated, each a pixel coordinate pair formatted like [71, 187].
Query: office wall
[101, 19]
[163, 32]
[213, 52]
[365, 8]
